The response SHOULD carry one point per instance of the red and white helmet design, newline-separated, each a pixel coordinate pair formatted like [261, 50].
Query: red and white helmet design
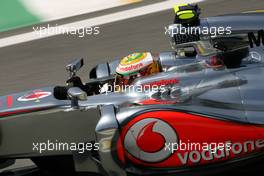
[134, 63]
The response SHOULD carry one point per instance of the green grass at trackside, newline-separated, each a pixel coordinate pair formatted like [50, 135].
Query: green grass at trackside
[13, 14]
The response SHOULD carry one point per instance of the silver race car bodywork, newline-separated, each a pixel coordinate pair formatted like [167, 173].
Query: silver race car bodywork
[225, 99]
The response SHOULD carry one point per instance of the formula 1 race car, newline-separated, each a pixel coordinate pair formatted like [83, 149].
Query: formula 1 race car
[201, 111]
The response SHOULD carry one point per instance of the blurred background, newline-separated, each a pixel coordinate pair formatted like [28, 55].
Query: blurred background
[21, 13]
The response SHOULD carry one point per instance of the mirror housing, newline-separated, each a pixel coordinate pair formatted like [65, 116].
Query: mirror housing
[76, 94]
[74, 66]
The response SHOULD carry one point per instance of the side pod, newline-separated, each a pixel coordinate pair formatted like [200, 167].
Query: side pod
[105, 130]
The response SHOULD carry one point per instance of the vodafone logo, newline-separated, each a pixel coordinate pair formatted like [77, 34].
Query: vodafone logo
[146, 139]
[131, 67]
[36, 95]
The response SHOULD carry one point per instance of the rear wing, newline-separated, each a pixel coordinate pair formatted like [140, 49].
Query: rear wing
[220, 33]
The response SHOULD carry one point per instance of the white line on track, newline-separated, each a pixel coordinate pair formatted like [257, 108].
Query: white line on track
[59, 9]
[113, 17]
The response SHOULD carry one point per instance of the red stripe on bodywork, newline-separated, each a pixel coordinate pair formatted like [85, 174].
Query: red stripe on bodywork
[17, 112]
[9, 101]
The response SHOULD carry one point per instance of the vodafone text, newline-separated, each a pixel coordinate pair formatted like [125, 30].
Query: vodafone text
[197, 152]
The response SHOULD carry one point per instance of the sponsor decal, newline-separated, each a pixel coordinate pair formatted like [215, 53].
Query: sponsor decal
[161, 83]
[256, 40]
[226, 150]
[198, 140]
[131, 67]
[35, 95]
[134, 62]
[146, 140]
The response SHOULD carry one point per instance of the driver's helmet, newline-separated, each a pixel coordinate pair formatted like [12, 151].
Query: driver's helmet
[134, 66]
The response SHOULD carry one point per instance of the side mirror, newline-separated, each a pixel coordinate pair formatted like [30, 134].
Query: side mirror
[74, 66]
[76, 94]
